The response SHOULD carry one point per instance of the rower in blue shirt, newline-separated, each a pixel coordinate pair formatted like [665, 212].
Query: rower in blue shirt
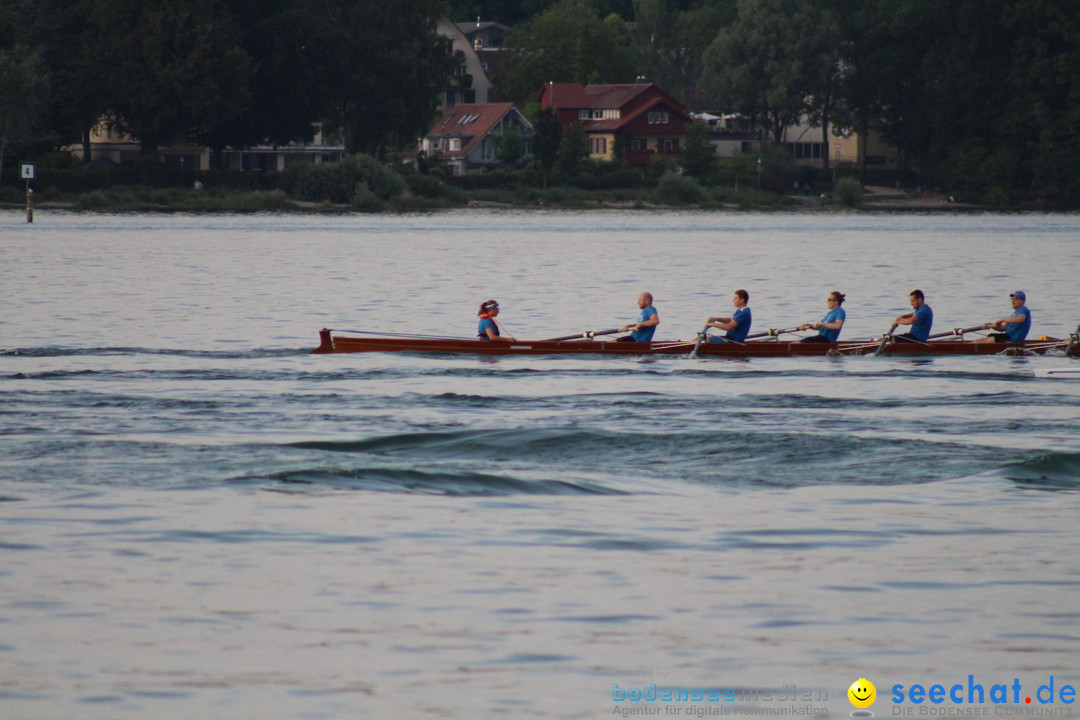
[737, 326]
[920, 320]
[646, 323]
[830, 325]
[1014, 328]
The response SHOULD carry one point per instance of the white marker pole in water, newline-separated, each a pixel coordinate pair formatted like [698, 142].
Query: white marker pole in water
[28, 173]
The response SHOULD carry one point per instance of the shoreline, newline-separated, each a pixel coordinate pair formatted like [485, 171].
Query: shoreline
[876, 199]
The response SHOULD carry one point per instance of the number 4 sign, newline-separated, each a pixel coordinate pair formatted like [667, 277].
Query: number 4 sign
[28, 171]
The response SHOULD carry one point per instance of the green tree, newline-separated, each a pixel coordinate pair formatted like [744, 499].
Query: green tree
[568, 43]
[573, 149]
[695, 29]
[1043, 113]
[379, 69]
[24, 96]
[7, 29]
[284, 101]
[176, 70]
[655, 41]
[876, 61]
[75, 61]
[547, 140]
[508, 12]
[511, 145]
[699, 158]
[769, 63]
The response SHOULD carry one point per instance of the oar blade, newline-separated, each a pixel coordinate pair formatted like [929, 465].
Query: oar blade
[700, 339]
[885, 340]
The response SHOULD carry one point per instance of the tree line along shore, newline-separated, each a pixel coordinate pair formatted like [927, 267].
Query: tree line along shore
[978, 97]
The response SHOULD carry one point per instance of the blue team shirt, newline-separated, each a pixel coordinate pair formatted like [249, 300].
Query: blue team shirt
[645, 334]
[485, 323]
[742, 328]
[924, 319]
[1019, 331]
[832, 316]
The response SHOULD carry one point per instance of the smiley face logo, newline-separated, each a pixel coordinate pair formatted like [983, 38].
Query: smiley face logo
[862, 693]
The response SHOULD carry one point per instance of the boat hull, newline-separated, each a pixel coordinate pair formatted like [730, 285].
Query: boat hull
[330, 343]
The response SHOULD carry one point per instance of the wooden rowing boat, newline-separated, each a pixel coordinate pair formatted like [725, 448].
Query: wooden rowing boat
[773, 347]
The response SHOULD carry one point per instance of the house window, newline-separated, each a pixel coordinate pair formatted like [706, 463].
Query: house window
[804, 150]
[671, 145]
[453, 144]
[487, 149]
[637, 145]
[598, 145]
[658, 118]
[582, 114]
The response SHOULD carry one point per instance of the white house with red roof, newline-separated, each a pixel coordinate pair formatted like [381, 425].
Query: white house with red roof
[643, 119]
[467, 137]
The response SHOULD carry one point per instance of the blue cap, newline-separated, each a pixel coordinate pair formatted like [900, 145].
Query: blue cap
[1019, 294]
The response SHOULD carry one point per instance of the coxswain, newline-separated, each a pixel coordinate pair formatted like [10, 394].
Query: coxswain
[487, 329]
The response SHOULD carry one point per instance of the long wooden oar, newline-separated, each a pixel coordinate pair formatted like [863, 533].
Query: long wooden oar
[768, 333]
[585, 335]
[772, 333]
[958, 332]
[955, 332]
[885, 340]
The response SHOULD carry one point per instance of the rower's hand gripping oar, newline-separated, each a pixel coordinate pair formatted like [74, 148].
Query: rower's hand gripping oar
[885, 340]
[587, 334]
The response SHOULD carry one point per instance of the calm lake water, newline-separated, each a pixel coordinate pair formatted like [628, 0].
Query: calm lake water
[200, 519]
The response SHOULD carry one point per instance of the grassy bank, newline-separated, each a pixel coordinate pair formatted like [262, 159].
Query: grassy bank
[140, 198]
[360, 183]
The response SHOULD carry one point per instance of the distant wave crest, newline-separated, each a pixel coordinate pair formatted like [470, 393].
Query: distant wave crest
[1055, 471]
[427, 482]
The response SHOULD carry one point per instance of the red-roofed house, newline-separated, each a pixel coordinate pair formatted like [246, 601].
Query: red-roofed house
[467, 137]
[644, 119]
